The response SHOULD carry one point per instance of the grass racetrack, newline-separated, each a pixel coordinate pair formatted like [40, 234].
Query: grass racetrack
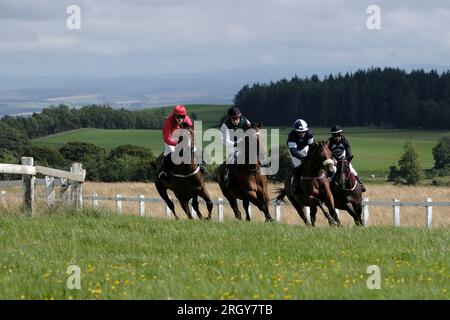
[129, 257]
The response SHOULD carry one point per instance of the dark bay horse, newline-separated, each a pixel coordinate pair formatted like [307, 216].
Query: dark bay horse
[347, 191]
[314, 188]
[185, 180]
[246, 181]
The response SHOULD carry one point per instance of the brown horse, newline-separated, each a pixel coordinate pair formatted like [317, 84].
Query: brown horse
[246, 181]
[186, 182]
[314, 188]
[347, 191]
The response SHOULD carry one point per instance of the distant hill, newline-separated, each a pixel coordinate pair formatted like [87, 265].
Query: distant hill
[32, 94]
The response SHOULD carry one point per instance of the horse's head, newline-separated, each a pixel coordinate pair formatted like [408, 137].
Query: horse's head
[249, 147]
[342, 172]
[321, 155]
[187, 138]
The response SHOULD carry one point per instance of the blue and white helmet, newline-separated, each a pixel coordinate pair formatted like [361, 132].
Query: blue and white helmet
[300, 125]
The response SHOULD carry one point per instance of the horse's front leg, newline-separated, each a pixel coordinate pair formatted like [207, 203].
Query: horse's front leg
[253, 198]
[209, 205]
[185, 205]
[162, 190]
[329, 202]
[246, 205]
[196, 207]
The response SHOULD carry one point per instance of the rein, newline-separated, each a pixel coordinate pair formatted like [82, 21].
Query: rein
[313, 178]
[187, 175]
[347, 177]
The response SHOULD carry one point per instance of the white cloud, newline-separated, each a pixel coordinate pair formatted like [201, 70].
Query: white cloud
[197, 35]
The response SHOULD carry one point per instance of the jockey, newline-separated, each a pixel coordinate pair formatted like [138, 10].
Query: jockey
[234, 121]
[341, 149]
[299, 140]
[174, 121]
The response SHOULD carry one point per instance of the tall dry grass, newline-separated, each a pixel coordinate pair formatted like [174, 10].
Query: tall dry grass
[410, 216]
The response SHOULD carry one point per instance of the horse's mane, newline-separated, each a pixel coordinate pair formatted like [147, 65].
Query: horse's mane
[314, 146]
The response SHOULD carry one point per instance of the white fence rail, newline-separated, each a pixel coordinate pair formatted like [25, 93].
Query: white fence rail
[29, 171]
[395, 204]
[76, 176]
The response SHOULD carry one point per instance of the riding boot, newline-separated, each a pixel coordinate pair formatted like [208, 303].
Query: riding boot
[363, 188]
[294, 184]
[198, 160]
[166, 167]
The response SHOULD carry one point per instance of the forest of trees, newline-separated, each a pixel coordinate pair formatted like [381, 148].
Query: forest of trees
[375, 97]
[56, 119]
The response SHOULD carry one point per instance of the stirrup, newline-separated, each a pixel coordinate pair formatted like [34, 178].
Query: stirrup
[162, 175]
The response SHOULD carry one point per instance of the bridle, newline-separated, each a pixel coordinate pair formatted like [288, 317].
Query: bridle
[347, 177]
[193, 173]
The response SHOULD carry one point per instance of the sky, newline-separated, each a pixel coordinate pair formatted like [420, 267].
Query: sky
[159, 37]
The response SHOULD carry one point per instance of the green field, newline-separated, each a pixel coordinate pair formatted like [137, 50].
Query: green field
[128, 257]
[375, 150]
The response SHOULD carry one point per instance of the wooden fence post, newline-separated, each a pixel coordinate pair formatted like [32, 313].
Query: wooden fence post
[28, 187]
[63, 190]
[94, 200]
[366, 212]
[77, 189]
[220, 210]
[3, 196]
[396, 213]
[337, 213]
[250, 211]
[429, 214]
[277, 212]
[50, 191]
[118, 204]
[141, 205]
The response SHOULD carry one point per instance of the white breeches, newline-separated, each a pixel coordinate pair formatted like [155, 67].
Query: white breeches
[352, 170]
[168, 149]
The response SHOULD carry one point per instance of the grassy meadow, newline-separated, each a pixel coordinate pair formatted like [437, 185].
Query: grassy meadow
[129, 257]
[375, 150]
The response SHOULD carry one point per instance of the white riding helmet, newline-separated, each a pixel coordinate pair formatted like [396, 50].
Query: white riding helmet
[300, 125]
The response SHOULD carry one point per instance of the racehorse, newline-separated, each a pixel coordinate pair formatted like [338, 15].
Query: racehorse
[313, 188]
[185, 180]
[347, 191]
[246, 182]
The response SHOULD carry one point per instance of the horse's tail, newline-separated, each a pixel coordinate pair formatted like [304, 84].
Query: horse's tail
[281, 194]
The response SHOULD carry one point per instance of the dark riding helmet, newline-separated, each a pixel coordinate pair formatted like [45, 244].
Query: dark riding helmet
[336, 130]
[234, 112]
[300, 125]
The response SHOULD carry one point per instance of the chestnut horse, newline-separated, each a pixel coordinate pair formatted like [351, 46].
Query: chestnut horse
[185, 180]
[246, 182]
[347, 191]
[313, 188]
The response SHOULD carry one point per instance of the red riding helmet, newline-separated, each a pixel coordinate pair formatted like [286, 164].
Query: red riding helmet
[179, 110]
